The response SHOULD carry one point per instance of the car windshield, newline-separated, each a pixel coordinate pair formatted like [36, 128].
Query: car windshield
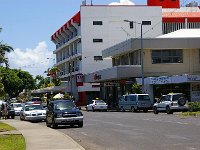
[100, 102]
[64, 105]
[17, 105]
[143, 98]
[33, 107]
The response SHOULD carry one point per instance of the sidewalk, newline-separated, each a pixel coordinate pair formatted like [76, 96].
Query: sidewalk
[39, 137]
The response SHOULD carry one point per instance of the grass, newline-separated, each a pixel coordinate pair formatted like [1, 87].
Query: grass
[5, 127]
[188, 114]
[11, 142]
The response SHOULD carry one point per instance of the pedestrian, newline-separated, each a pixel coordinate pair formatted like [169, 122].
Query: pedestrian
[4, 110]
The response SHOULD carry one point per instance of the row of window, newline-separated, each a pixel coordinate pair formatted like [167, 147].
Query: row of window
[157, 56]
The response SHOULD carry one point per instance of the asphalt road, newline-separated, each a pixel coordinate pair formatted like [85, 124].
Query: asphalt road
[136, 131]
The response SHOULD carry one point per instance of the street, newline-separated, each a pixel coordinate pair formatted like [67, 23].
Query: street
[136, 131]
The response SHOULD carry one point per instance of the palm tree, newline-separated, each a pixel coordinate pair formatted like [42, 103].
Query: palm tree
[3, 49]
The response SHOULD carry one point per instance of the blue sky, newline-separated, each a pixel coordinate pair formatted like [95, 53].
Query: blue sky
[27, 27]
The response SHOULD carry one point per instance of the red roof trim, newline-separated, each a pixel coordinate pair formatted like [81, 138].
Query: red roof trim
[167, 20]
[76, 18]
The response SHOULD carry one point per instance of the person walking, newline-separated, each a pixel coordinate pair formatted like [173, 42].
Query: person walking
[4, 110]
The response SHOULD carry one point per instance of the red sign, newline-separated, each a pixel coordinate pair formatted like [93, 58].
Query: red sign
[79, 80]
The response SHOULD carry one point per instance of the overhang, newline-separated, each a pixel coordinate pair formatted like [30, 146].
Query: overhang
[152, 43]
[117, 72]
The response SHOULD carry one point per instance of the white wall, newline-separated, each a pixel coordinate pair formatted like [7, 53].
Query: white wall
[113, 30]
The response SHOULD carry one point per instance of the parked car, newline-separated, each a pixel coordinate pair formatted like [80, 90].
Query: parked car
[97, 105]
[17, 107]
[63, 112]
[170, 103]
[134, 102]
[34, 112]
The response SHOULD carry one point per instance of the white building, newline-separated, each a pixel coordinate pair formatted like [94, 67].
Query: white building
[79, 42]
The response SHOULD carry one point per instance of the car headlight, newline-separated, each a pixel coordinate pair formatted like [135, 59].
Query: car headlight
[79, 114]
[59, 115]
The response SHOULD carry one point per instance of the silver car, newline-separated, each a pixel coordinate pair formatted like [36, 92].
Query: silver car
[34, 112]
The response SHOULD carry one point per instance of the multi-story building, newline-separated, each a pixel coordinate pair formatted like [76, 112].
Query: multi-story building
[80, 41]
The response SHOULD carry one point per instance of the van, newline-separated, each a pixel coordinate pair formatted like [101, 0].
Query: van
[134, 102]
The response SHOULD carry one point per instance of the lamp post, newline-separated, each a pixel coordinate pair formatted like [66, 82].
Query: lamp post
[142, 50]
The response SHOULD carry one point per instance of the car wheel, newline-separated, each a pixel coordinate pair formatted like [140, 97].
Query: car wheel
[122, 109]
[181, 101]
[80, 124]
[132, 109]
[168, 110]
[54, 125]
[13, 116]
[87, 109]
[155, 110]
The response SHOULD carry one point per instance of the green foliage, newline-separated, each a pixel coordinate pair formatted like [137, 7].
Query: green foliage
[15, 81]
[136, 88]
[67, 96]
[194, 106]
[56, 81]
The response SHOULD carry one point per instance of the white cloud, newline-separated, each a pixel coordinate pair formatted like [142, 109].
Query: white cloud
[122, 2]
[35, 61]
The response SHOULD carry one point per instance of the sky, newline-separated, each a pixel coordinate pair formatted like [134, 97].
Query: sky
[27, 26]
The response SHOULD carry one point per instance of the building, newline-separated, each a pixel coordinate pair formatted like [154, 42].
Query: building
[79, 42]
[171, 64]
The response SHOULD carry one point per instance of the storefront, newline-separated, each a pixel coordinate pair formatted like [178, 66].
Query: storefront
[187, 84]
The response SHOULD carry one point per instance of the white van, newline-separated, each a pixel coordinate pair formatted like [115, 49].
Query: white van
[135, 102]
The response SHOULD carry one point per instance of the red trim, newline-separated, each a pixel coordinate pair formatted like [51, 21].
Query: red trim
[76, 18]
[164, 3]
[168, 20]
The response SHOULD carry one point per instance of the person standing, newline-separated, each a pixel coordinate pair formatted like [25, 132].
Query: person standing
[4, 110]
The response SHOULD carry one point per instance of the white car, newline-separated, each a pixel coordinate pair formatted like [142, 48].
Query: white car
[34, 112]
[17, 107]
[170, 103]
[97, 105]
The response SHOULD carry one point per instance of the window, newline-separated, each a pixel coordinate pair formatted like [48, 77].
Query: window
[167, 56]
[116, 61]
[97, 23]
[132, 97]
[96, 58]
[135, 58]
[124, 60]
[97, 40]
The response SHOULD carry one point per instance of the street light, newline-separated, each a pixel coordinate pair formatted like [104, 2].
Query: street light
[142, 50]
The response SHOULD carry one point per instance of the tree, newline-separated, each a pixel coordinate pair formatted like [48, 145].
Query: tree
[15, 81]
[12, 83]
[4, 48]
[27, 79]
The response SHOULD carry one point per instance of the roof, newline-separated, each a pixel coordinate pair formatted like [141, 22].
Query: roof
[182, 33]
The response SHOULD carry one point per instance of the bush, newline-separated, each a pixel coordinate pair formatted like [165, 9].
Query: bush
[194, 106]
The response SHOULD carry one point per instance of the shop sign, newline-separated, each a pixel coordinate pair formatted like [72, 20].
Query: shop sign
[111, 84]
[97, 77]
[79, 80]
[160, 80]
[193, 77]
